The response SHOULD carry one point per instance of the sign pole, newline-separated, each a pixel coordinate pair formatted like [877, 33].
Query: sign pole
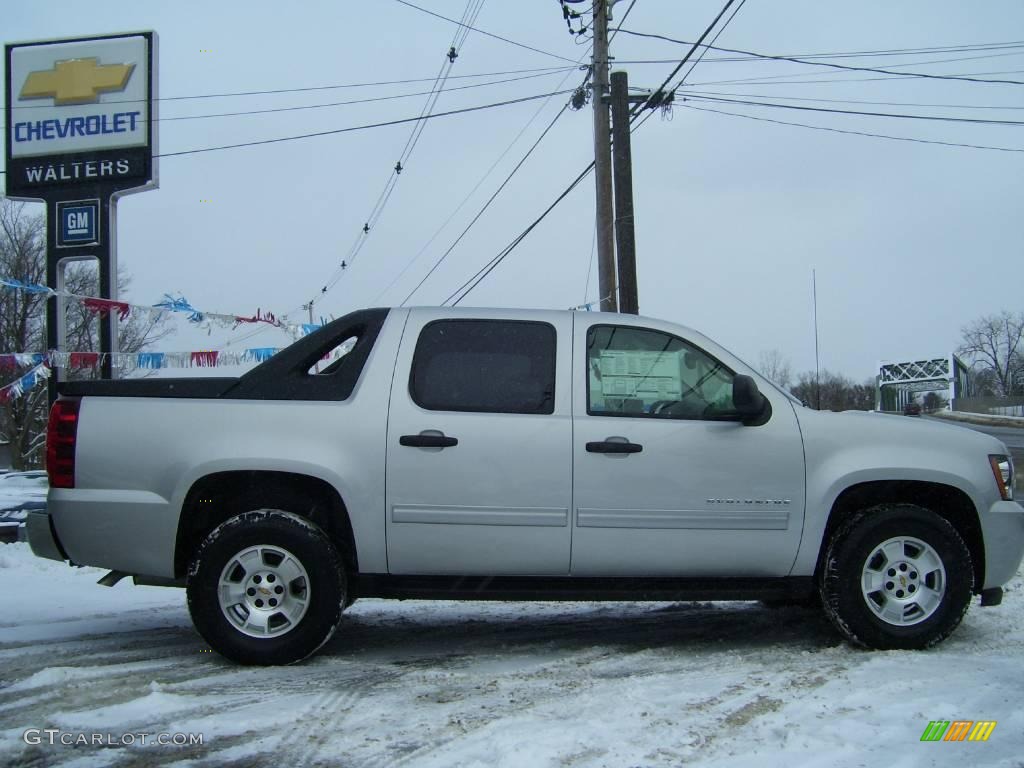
[107, 254]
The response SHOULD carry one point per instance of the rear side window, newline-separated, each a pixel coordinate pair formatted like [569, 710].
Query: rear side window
[493, 366]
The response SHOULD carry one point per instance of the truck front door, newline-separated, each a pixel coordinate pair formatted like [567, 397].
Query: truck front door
[666, 482]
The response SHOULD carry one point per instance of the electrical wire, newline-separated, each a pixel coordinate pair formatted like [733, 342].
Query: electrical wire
[634, 123]
[394, 97]
[409, 81]
[366, 126]
[852, 101]
[484, 32]
[486, 205]
[795, 60]
[760, 81]
[703, 53]
[466, 199]
[493, 196]
[851, 132]
[621, 21]
[464, 290]
[939, 118]
[469, 17]
[467, 287]
[274, 91]
[590, 262]
[685, 58]
[974, 47]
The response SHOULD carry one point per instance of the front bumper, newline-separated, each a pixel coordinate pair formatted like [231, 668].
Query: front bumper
[42, 538]
[1003, 530]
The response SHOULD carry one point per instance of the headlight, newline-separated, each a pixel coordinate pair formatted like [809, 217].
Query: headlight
[1002, 469]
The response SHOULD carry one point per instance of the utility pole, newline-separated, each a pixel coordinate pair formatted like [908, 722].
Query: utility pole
[625, 241]
[603, 163]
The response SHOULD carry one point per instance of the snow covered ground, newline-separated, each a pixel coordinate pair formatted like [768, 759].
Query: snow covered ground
[490, 684]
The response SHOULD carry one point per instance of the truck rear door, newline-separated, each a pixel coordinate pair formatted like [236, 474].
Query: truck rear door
[479, 452]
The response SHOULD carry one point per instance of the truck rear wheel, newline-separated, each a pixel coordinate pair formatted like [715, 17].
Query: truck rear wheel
[266, 587]
[896, 576]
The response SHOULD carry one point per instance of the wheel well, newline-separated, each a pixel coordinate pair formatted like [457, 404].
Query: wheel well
[215, 498]
[944, 500]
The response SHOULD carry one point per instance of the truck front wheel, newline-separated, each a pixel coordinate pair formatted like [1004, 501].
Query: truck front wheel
[266, 587]
[896, 576]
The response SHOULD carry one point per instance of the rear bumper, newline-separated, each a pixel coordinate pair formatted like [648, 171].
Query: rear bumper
[1003, 529]
[42, 538]
[130, 531]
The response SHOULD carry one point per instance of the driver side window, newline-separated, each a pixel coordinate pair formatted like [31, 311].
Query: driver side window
[643, 373]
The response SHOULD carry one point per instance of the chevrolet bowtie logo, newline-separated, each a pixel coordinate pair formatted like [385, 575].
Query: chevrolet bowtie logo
[76, 81]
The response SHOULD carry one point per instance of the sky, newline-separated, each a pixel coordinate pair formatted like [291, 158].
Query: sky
[909, 241]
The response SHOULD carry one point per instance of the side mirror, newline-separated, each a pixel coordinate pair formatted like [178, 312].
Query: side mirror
[753, 407]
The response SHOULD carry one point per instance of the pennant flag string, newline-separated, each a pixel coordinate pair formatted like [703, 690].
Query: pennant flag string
[204, 358]
[24, 383]
[169, 303]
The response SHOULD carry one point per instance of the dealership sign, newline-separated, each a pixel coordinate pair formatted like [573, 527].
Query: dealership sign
[80, 115]
[80, 132]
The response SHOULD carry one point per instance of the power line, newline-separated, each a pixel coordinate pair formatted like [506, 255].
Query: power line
[767, 78]
[305, 89]
[634, 124]
[464, 110]
[777, 79]
[469, 16]
[939, 118]
[718, 34]
[853, 101]
[365, 101]
[622, 21]
[851, 132]
[466, 199]
[796, 60]
[484, 271]
[689, 53]
[485, 33]
[486, 205]
[364, 127]
[862, 54]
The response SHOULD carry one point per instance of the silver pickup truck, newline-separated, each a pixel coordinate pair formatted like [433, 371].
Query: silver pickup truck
[518, 455]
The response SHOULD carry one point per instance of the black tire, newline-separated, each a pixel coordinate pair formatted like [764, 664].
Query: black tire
[313, 599]
[857, 615]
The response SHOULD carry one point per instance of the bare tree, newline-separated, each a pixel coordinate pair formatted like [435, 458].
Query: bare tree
[995, 343]
[23, 258]
[775, 367]
[933, 401]
[23, 325]
[838, 393]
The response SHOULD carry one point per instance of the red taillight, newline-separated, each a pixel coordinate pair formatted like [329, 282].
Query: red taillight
[61, 432]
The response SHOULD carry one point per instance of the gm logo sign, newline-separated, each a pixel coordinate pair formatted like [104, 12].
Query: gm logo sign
[78, 223]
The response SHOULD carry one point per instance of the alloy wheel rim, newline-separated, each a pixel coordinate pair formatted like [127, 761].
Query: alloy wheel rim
[264, 591]
[903, 581]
